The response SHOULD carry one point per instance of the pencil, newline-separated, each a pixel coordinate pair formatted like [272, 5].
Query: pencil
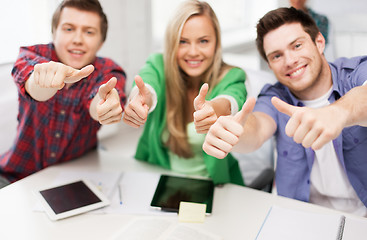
[119, 188]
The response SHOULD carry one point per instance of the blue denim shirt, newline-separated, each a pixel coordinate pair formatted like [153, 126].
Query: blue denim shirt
[295, 162]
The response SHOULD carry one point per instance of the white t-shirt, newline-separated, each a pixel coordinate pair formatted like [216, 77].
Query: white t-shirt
[330, 186]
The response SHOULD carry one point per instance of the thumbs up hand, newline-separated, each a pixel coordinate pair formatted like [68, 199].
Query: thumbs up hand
[311, 127]
[204, 115]
[225, 133]
[109, 108]
[136, 112]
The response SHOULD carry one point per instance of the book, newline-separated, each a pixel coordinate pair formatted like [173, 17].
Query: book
[289, 224]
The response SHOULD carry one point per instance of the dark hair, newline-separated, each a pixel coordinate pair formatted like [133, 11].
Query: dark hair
[278, 17]
[86, 5]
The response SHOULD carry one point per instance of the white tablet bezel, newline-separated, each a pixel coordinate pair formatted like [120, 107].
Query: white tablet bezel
[53, 216]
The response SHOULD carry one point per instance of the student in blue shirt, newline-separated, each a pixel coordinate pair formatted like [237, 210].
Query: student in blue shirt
[317, 112]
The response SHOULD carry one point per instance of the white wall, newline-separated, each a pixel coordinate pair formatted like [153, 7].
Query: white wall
[129, 34]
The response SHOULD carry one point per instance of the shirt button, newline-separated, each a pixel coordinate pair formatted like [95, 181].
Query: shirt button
[308, 181]
[53, 155]
[356, 140]
[285, 153]
[62, 112]
[57, 135]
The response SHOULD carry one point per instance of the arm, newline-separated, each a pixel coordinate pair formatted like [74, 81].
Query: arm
[315, 127]
[247, 130]
[353, 106]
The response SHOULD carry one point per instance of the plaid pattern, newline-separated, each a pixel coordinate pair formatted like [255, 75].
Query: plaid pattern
[61, 128]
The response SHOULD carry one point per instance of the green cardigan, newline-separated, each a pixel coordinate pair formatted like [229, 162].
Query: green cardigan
[152, 149]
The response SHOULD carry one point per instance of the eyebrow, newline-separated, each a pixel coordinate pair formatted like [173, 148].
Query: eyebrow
[73, 25]
[291, 43]
[206, 36]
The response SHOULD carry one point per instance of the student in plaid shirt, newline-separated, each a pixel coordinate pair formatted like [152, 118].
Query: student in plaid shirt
[65, 92]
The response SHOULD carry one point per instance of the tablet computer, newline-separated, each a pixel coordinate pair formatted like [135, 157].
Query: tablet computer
[172, 190]
[70, 199]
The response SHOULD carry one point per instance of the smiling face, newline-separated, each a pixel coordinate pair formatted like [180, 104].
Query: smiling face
[297, 61]
[77, 37]
[197, 46]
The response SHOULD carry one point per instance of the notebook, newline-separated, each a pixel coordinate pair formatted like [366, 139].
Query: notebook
[288, 224]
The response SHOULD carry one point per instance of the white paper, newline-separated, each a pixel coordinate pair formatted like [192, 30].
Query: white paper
[289, 224]
[144, 228]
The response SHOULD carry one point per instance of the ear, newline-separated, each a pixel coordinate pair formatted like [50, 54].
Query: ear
[320, 43]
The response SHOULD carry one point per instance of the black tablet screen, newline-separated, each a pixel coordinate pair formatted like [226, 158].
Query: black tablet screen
[68, 197]
[172, 190]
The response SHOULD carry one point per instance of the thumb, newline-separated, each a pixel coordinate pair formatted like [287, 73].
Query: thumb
[247, 108]
[141, 86]
[283, 107]
[199, 101]
[104, 89]
[73, 75]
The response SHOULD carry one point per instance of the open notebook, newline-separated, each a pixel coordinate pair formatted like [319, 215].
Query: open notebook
[288, 224]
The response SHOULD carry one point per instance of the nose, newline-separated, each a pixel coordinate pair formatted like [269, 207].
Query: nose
[291, 58]
[78, 37]
[193, 50]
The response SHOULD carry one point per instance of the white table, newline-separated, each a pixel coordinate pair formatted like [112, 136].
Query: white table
[238, 212]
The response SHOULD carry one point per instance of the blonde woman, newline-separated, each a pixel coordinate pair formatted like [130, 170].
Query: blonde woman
[180, 94]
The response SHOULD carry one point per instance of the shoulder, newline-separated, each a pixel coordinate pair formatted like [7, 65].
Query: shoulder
[233, 73]
[104, 64]
[350, 68]
[40, 50]
[156, 59]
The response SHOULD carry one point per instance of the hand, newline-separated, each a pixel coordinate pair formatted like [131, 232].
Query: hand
[109, 108]
[55, 74]
[225, 133]
[136, 112]
[204, 115]
[310, 127]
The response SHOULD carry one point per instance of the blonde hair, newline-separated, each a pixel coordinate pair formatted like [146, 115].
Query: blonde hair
[176, 88]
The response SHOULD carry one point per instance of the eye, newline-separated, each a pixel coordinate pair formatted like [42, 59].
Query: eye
[68, 29]
[298, 45]
[203, 41]
[275, 56]
[183, 41]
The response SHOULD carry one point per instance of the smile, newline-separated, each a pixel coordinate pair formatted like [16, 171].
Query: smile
[297, 72]
[76, 52]
[194, 63]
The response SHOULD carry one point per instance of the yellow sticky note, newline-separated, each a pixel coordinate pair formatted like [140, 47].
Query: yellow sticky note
[191, 212]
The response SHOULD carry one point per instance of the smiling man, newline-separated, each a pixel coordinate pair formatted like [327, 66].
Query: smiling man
[317, 112]
[65, 92]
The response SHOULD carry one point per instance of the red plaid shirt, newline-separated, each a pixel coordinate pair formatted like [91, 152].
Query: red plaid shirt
[61, 128]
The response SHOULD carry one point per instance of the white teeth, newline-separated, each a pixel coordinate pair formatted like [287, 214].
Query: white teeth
[193, 62]
[76, 51]
[296, 72]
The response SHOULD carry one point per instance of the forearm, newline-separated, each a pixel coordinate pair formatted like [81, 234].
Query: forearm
[353, 106]
[221, 106]
[38, 93]
[93, 107]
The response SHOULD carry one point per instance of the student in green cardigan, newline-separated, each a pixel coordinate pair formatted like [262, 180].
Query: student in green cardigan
[179, 94]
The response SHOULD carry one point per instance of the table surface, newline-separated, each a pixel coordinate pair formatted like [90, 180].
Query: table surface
[238, 212]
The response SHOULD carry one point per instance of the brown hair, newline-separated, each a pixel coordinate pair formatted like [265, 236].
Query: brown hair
[85, 5]
[278, 17]
[176, 87]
